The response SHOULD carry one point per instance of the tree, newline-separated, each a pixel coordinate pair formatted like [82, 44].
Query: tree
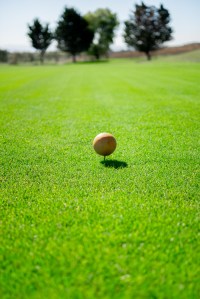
[40, 36]
[148, 28]
[103, 22]
[3, 55]
[73, 33]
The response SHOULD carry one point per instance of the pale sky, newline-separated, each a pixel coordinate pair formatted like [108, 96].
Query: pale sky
[16, 14]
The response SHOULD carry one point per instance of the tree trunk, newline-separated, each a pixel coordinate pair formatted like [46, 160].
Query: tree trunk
[97, 56]
[74, 58]
[148, 55]
[42, 57]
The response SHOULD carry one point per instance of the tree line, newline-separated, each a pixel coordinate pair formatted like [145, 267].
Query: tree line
[92, 33]
[17, 57]
[146, 30]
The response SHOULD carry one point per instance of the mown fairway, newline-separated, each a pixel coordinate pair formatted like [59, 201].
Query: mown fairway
[72, 227]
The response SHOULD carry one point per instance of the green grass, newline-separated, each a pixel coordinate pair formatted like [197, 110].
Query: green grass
[72, 227]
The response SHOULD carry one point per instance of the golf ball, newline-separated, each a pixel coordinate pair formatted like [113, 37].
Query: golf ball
[104, 144]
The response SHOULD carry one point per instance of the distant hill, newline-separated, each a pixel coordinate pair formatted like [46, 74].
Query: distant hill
[163, 51]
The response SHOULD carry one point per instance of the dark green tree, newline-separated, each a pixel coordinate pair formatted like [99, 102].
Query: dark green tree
[40, 36]
[148, 28]
[103, 22]
[3, 55]
[73, 33]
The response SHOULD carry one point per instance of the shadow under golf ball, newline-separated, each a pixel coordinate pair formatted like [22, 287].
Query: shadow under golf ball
[114, 164]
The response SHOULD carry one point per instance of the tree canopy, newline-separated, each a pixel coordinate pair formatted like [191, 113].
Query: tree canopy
[147, 28]
[73, 33]
[40, 36]
[103, 22]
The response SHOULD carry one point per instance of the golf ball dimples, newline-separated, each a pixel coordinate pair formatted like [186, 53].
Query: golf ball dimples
[104, 144]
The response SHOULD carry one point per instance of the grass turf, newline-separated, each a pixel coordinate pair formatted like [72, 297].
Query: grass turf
[73, 227]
